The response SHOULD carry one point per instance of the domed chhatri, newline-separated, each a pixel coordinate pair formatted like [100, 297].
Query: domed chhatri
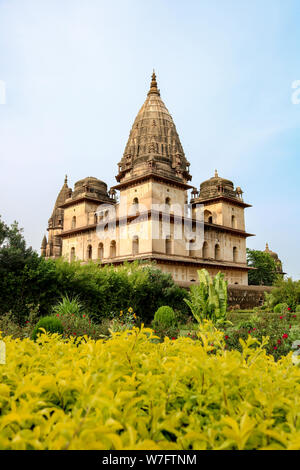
[153, 181]
[217, 186]
[153, 144]
[274, 255]
[271, 253]
[91, 185]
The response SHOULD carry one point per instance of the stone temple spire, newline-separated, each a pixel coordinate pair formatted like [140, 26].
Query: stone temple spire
[153, 145]
[153, 86]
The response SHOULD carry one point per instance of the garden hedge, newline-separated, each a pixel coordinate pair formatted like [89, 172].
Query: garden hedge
[130, 392]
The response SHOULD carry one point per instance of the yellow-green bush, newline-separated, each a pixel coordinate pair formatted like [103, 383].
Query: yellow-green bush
[130, 392]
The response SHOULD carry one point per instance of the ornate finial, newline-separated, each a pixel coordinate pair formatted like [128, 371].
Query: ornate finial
[66, 179]
[153, 86]
[267, 247]
[216, 174]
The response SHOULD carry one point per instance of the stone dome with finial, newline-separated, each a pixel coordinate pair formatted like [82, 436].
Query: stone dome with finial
[275, 257]
[91, 185]
[270, 252]
[153, 145]
[217, 186]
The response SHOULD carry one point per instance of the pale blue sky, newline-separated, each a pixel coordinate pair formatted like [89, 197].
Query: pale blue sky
[77, 72]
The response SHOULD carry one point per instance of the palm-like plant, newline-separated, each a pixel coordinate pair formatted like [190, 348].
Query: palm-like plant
[208, 299]
[68, 306]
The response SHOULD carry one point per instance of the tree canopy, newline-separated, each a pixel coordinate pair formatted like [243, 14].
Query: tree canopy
[265, 273]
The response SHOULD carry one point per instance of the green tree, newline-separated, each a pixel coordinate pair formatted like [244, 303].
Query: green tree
[285, 291]
[13, 252]
[265, 272]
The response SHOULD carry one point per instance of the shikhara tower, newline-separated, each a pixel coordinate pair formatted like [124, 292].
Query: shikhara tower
[153, 179]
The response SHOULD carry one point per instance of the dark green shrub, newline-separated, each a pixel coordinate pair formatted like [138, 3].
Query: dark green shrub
[50, 324]
[287, 291]
[100, 290]
[164, 317]
[280, 308]
[248, 324]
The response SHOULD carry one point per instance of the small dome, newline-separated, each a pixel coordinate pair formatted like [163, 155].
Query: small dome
[217, 186]
[271, 253]
[90, 185]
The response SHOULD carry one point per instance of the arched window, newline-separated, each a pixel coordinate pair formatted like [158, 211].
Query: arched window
[167, 205]
[95, 219]
[134, 207]
[217, 252]
[205, 250]
[113, 249]
[72, 255]
[136, 204]
[135, 245]
[191, 248]
[208, 217]
[74, 222]
[235, 254]
[89, 252]
[233, 221]
[100, 251]
[168, 247]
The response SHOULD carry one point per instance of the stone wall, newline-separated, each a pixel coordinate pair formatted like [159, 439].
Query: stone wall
[246, 296]
[242, 297]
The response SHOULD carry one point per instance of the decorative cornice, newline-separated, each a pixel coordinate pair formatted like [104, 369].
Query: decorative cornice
[84, 197]
[211, 200]
[154, 215]
[152, 175]
[160, 258]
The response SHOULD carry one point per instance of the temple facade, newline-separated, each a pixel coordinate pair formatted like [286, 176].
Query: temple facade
[153, 213]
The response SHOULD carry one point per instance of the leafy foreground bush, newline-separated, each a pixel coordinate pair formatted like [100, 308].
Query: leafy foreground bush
[131, 393]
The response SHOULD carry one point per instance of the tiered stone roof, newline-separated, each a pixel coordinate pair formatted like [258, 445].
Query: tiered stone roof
[154, 145]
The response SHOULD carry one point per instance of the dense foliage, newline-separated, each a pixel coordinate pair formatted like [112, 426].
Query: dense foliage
[27, 279]
[265, 272]
[131, 393]
[280, 308]
[285, 291]
[282, 329]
